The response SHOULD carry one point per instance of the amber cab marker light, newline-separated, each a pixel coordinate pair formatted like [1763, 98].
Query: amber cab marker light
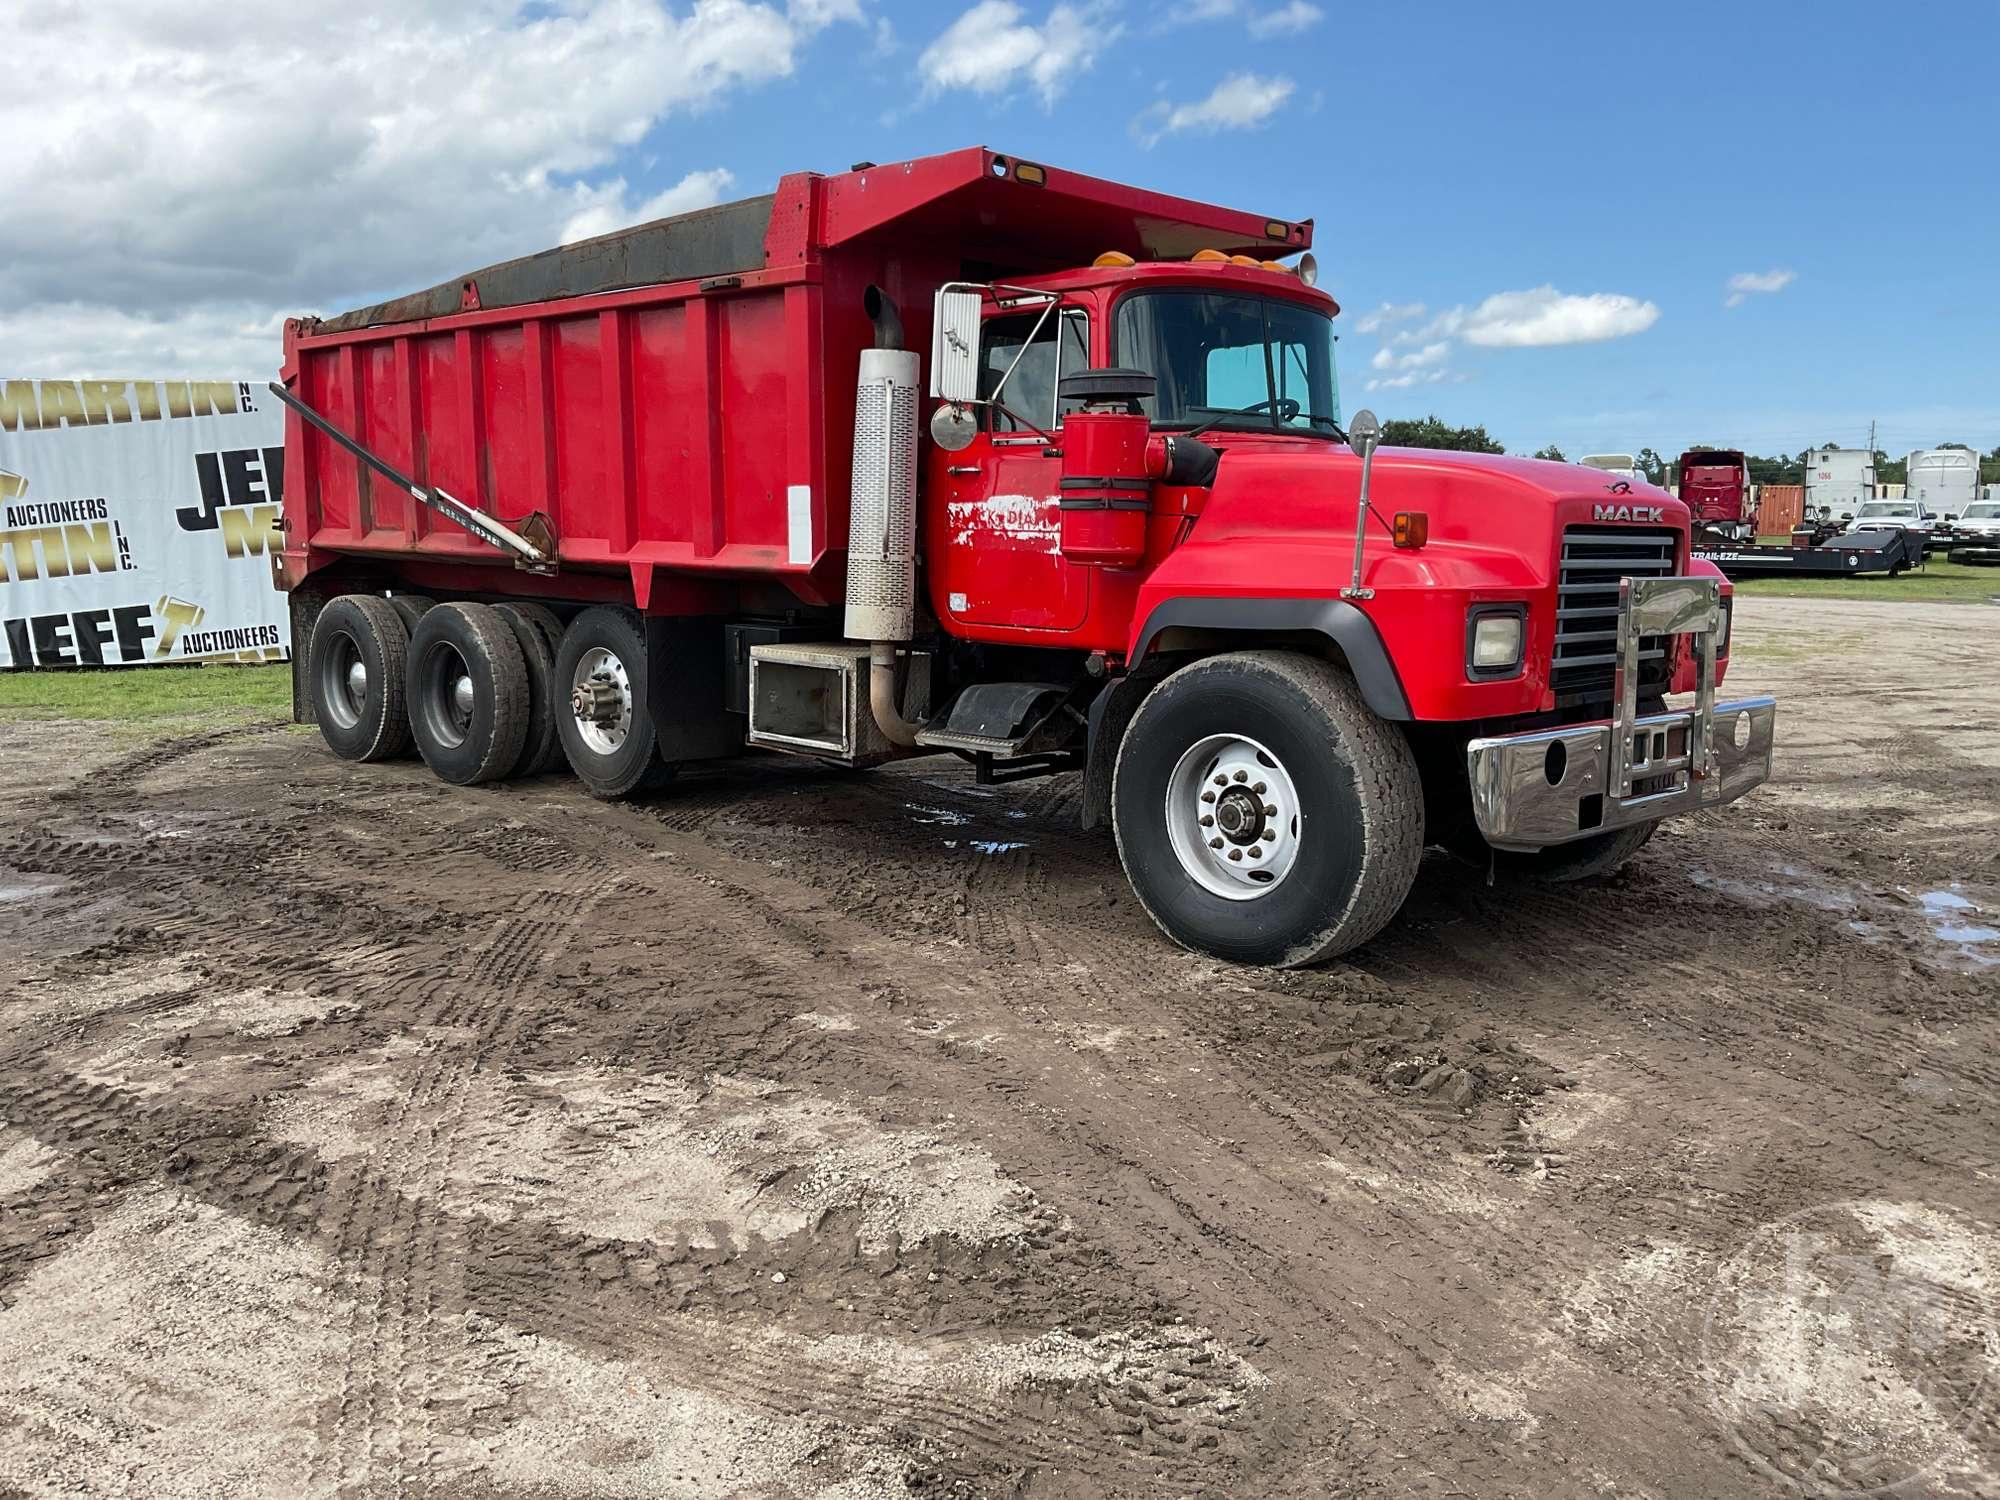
[1206, 257]
[1413, 528]
[1114, 258]
[1028, 172]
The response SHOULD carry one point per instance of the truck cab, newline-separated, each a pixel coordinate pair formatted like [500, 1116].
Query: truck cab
[1715, 486]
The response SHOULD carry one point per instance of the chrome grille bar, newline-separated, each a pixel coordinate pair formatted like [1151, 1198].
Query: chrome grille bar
[1594, 560]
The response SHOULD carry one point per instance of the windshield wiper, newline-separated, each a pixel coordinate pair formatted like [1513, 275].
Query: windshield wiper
[1318, 422]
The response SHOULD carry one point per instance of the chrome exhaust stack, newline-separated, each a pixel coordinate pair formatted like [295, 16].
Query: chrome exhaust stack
[882, 513]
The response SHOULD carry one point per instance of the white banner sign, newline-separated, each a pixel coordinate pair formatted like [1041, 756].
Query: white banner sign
[136, 522]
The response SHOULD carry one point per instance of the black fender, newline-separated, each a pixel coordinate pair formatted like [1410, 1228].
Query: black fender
[1253, 622]
[1332, 619]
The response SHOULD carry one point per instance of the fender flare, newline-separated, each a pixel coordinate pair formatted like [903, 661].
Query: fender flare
[1335, 619]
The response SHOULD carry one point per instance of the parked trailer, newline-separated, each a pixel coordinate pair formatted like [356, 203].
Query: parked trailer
[672, 494]
[1945, 481]
[1845, 554]
[1841, 480]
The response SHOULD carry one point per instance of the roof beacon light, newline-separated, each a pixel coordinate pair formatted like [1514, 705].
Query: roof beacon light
[1308, 269]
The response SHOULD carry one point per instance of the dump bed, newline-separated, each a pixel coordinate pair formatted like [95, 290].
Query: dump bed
[675, 400]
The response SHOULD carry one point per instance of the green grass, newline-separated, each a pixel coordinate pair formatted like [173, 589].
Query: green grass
[150, 694]
[1938, 583]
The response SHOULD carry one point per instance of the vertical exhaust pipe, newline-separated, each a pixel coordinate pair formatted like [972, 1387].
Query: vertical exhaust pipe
[882, 511]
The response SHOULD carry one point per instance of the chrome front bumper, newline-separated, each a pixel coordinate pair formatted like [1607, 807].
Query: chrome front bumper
[1551, 786]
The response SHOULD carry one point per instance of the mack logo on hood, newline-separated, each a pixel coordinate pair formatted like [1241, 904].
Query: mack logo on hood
[1640, 513]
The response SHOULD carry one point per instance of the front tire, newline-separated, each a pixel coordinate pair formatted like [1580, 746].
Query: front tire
[468, 688]
[1263, 813]
[355, 672]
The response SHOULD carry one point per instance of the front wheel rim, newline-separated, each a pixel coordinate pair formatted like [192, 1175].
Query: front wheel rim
[1233, 817]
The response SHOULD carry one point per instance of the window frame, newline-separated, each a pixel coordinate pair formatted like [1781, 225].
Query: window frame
[1115, 356]
[1061, 325]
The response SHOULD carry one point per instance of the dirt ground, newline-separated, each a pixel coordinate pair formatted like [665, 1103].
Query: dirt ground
[800, 1133]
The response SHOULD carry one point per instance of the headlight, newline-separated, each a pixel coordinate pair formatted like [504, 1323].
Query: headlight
[1494, 635]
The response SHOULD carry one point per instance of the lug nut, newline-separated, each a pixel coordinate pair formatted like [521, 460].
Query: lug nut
[1236, 854]
[1271, 834]
[1258, 788]
[1255, 851]
[1215, 843]
[1222, 781]
[1208, 796]
[1270, 811]
[1207, 822]
[1242, 775]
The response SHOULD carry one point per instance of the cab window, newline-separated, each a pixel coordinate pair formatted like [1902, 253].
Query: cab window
[1061, 347]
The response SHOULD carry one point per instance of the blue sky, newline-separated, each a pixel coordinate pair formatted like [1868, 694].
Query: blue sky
[1459, 160]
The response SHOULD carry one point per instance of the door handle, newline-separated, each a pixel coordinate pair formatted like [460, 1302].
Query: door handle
[962, 471]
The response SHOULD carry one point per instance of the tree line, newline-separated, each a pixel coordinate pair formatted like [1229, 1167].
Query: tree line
[1431, 432]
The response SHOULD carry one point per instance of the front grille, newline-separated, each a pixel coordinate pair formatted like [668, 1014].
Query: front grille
[1594, 558]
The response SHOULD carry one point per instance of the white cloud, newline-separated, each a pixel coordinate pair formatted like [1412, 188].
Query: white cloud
[1242, 101]
[1544, 316]
[207, 159]
[1417, 351]
[1751, 283]
[1388, 315]
[1428, 357]
[82, 341]
[1287, 20]
[605, 209]
[993, 48]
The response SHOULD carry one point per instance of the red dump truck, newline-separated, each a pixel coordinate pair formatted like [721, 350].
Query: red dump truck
[973, 455]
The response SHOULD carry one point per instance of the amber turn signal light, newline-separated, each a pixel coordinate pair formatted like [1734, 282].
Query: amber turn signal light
[1413, 528]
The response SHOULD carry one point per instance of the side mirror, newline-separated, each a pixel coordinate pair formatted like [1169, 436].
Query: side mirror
[955, 346]
[1951, 515]
[1847, 515]
[1364, 432]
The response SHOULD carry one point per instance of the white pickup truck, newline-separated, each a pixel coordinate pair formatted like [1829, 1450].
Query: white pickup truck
[1893, 515]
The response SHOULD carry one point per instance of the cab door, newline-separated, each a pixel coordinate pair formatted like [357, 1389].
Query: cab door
[994, 533]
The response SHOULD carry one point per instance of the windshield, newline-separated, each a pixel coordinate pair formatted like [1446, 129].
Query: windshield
[1215, 353]
[1888, 510]
[1985, 510]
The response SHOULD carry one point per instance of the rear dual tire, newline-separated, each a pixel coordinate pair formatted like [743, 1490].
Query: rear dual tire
[469, 696]
[355, 670]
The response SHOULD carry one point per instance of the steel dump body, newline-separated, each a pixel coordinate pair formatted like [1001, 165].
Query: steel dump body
[676, 400]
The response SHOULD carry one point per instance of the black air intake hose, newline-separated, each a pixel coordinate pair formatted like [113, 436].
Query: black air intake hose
[1190, 461]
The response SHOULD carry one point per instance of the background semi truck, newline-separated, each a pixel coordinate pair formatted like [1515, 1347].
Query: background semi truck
[1944, 480]
[972, 455]
[1715, 487]
[1841, 480]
